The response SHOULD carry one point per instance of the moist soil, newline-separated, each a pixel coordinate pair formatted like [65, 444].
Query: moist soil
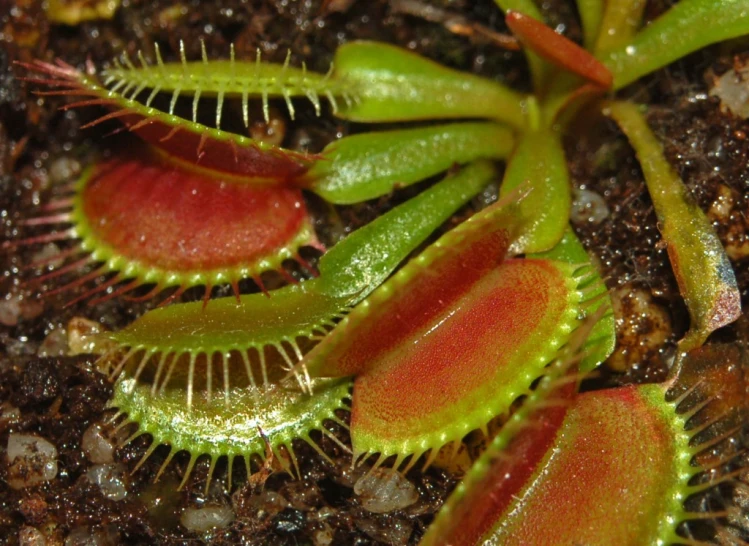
[45, 393]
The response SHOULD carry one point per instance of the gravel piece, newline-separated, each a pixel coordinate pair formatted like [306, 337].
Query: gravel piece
[392, 531]
[384, 490]
[111, 480]
[588, 207]
[207, 518]
[97, 446]
[31, 536]
[32, 460]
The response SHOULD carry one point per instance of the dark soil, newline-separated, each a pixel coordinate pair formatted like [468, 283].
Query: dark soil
[56, 397]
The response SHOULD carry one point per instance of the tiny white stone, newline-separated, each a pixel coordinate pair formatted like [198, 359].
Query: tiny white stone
[31, 459]
[384, 490]
[207, 518]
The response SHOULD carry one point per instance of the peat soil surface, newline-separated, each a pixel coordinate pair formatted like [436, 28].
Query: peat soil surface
[93, 498]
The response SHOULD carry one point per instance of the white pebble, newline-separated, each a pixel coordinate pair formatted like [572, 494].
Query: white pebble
[10, 311]
[54, 345]
[732, 88]
[207, 518]
[32, 460]
[64, 169]
[96, 445]
[110, 478]
[384, 490]
[324, 537]
[588, 207]
[31, 536]
[81, 337]
[86, 536]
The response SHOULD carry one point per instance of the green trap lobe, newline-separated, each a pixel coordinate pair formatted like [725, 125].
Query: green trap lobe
[257, 320]
[211, 427]
[189, 141]
[230, 77]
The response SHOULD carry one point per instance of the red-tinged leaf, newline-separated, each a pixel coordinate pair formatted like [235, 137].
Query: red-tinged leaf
[217, 150]
[160, 215]
[512, 458]
[610, 476]
[147, 218]
[440, 276]
[618, 470]
[179, 138]
[704, 274]
[445, 358]
[558, 49]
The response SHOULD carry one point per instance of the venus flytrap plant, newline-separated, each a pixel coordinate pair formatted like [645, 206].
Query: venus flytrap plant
[463, 329]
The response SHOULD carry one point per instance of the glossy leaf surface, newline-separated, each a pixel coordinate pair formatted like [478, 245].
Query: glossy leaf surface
[616, 474]
[442, 349]
[467, 253]
[602, 338]
[219, 230]
[557, 49]
[508, 462]
[538, 160]
[464, 333]
[364, 166]
[686, 27]
[363, 260]
[398, 85]
[617, 471]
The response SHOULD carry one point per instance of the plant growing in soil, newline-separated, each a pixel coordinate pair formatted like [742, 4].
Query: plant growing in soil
[425, 346]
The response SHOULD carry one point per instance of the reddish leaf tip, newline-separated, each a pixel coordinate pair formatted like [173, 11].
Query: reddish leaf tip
[557, 49]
